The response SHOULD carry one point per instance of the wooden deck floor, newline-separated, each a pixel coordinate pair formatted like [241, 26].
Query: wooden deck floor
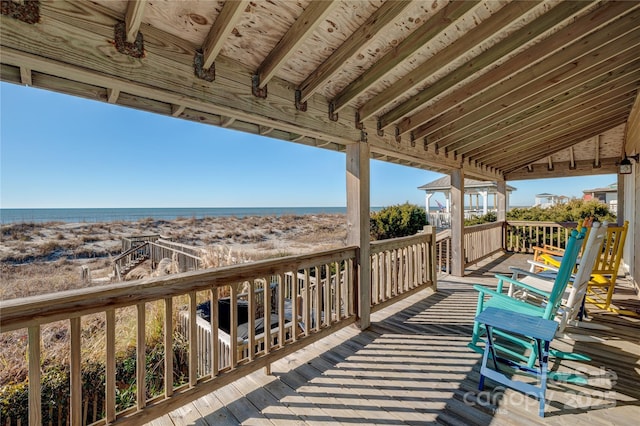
[413, 367]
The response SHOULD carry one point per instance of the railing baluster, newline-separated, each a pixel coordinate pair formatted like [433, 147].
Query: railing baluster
[76, 374]
[295, 287]
[168, 346]
[318, 307]
[35, 396]
[338, 291]
[281, 318]
[141, 350]
[215, 346]
[193, 339]
[233, 324]
[251, 340]
[307, 302]
[327, 295]
[110, 367]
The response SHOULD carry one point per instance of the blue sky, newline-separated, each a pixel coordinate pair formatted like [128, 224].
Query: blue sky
[64, 151]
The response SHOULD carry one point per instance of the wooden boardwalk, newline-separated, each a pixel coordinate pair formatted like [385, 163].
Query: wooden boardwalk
[412, 367]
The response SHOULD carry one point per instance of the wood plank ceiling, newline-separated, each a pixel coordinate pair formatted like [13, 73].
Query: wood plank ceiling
[496, 87]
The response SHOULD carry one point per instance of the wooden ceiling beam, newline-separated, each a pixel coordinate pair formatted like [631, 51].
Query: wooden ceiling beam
[364, 35]
[531, 143]
[562, 142]
[594, 69]
[223, 26]
[588, 105]
[416, 40]
[482, 61]
[524, 68]
[310, 18]
[478, 35]
[528, 143]
[632, 134]
[564, 169]
[133, 18]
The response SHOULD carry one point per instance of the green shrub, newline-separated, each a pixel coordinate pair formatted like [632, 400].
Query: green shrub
[397, 221]
[489, 217]
[572, 211]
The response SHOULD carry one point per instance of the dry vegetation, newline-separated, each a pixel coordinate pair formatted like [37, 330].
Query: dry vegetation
[44, 258]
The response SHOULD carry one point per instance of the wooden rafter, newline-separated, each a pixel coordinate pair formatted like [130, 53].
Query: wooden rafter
[133, 18]
[480, 34]
[221, 28]
[562, 142]
[567, 71]
[584, 107]
[402, 51]
[591, 70]
[529, 141]
[632, 134]
[520, 68]
[356, 42]
[563, 169]
[482, 61]
[315, 12]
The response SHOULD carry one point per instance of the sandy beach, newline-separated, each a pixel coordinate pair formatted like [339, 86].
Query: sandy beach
[43, 258]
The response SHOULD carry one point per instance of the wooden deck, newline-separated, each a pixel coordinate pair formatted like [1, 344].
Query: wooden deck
[413, 367]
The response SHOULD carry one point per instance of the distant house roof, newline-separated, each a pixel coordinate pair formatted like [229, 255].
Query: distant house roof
[611, 188]
[444, 184]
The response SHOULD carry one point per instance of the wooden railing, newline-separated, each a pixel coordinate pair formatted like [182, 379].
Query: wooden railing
[313, 315]
[482, 241]
[401, 265]
[183, 258]
[136, 240]
[443, 251]
[520, 236]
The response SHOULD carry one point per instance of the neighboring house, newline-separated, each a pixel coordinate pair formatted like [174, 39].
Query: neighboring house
[546, 200]
[607, 195]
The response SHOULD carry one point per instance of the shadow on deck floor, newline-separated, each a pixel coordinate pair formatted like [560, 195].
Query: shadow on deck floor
[412, 367]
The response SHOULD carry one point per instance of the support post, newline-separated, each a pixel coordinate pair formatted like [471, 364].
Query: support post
[358, 210]
[426, 204]
[501, 209]
[457, 222]
[501, 198]
[620, 201]
[485, 201]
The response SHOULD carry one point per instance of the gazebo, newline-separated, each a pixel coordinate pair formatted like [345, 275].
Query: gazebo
[477, 190]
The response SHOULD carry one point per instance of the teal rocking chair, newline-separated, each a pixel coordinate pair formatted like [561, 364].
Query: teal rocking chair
[547, 310]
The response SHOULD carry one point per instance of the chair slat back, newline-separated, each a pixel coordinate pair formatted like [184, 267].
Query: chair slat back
[611, 250]
[564, 273]
[592, 250]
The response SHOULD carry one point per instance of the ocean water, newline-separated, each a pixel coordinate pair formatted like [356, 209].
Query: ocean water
[134, 214]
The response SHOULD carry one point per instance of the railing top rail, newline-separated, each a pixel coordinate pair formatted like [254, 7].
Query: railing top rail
[42, 309]
[482, 227]
[145, 237]
[174, 250]
[390, 244]
[541, 223]
[443, 235]
[131, 250]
